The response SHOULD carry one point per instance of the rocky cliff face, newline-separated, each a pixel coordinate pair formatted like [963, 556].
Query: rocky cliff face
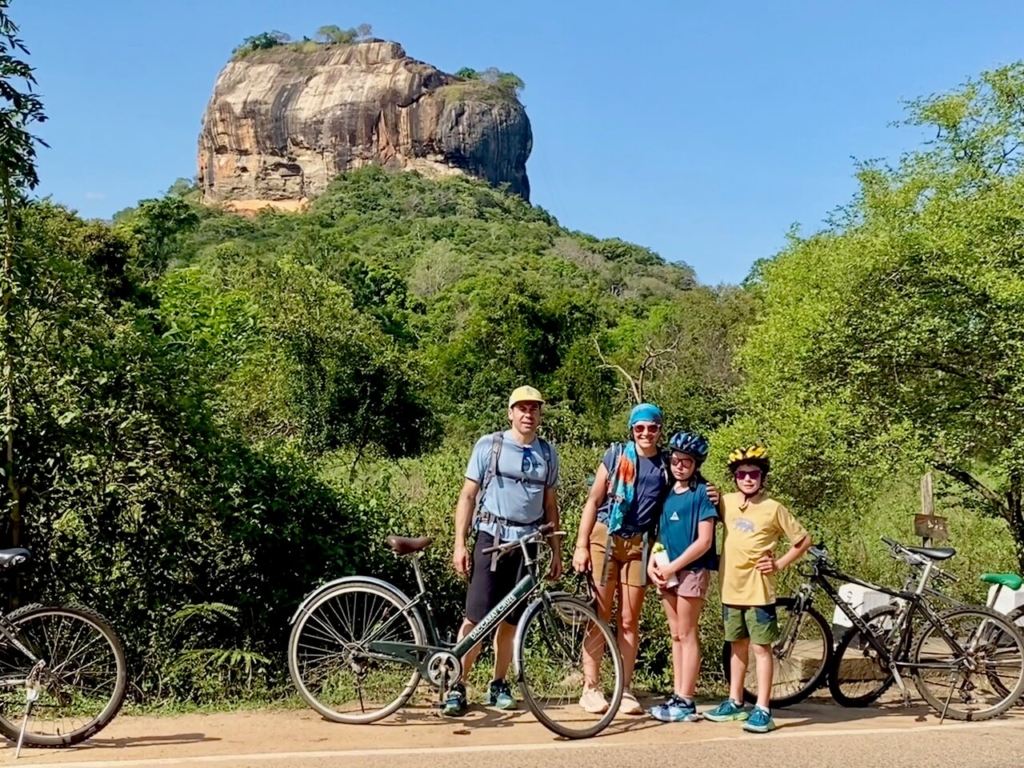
[282, 123]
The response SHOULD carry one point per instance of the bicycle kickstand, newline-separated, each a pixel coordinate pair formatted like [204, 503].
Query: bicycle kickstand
[31, 694]
[942, 715]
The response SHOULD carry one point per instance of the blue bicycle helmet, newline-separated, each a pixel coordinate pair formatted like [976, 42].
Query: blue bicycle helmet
[690, 443]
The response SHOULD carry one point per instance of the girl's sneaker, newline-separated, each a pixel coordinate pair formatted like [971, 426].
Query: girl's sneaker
[727, 711]
[760, 721]
[675, 710]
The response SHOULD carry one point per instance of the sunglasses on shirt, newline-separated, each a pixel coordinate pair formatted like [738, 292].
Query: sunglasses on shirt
[743, 474]
[527, 460]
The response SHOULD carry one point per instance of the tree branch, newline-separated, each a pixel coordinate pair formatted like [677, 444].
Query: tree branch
[975, 484]
[636, 391]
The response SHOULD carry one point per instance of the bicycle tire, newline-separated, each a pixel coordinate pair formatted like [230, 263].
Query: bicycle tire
[295, 666]
[834, 676]
[534, 613]
[21, 619]
[813, 683]
[1009, 698]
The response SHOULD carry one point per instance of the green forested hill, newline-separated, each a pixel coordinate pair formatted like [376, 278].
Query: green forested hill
[454, 293]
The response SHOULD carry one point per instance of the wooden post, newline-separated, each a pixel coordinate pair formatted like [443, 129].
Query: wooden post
[927, 525]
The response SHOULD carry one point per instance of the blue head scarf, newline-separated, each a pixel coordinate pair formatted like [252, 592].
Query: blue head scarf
[644, 412]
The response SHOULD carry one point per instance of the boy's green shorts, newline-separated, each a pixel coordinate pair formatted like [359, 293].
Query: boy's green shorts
[758, 622]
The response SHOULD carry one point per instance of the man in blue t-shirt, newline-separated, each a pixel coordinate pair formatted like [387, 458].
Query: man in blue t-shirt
[519, 497]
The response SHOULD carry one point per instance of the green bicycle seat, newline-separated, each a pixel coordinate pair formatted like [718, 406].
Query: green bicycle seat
[1011, 580]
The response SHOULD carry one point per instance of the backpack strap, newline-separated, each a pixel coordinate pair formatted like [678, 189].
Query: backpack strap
[492, 470]
[545, 448]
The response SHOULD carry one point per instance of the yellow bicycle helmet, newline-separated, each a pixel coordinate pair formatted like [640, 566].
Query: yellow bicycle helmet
[754, 454]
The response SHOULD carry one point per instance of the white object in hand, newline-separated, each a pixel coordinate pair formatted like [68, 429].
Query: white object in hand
[661, 558]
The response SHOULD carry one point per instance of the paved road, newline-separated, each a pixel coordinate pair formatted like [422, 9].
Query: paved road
[811, 734]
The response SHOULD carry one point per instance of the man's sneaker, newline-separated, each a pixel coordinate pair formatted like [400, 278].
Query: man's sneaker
[593, 701]
[726, 711]
[456, 703]
[760, 721]
[675, 710]
[500, 696]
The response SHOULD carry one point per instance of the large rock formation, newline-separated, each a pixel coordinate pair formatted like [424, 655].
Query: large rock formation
[283, 122]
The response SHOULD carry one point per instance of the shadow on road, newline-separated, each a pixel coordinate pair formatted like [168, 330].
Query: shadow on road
[144, 741]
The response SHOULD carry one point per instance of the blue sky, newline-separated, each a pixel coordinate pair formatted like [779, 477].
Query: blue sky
[702, 130]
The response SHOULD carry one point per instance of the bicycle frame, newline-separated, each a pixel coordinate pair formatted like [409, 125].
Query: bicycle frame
[8, 631]
[419, 655]
[915, 601]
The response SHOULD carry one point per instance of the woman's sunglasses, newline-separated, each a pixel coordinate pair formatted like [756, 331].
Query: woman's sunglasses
[651, 429]
[743, 474]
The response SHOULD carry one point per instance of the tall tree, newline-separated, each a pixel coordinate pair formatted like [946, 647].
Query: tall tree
[19, 109]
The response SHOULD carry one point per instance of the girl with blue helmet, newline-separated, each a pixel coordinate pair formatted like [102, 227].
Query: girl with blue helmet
[681, 567]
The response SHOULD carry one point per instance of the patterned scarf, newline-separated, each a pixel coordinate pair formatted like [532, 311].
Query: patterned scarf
[622, 487]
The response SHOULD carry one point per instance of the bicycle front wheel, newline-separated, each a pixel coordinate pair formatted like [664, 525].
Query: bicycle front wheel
[562, 648]
[800, 658]
[80, 683]
[330, 661]
[977, 672]
[859, 676]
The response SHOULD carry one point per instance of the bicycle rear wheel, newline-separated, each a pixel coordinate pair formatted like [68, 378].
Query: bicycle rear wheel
[858, 676]
[329, 660]
[552, 672]
[81, 685]
[800, 658]
[981, 678]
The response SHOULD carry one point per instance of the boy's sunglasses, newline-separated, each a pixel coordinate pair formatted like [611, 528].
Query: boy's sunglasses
[743, 474]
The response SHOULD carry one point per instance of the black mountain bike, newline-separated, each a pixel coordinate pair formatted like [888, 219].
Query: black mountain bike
[359, 647]
[967, 663]
[63, 674]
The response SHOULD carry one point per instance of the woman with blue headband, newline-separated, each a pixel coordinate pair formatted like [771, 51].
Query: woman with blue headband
[620, 513]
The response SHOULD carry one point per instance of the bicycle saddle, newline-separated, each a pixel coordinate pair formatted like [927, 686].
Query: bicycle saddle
[933, 554]
[12, 558]
[402, 545]
[1010, 580]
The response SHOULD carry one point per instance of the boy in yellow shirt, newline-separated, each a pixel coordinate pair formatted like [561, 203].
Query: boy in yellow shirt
[752, 525]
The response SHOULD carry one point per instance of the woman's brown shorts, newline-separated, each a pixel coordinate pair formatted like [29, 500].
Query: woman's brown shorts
[627, 555]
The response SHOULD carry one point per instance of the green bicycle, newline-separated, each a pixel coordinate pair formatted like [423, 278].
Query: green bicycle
[359, 646]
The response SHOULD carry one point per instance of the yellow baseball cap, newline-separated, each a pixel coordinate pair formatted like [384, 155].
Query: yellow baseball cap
[524, 394]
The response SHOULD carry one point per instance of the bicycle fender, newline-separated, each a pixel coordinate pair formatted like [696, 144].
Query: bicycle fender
[316, 593]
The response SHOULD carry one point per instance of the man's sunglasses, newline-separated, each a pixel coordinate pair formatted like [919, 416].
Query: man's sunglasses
[743, 474]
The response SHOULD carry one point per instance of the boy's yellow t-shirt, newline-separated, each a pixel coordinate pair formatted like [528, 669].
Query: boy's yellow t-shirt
[752, 528]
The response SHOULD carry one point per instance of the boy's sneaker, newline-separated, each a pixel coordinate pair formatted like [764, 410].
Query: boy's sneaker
[726, 711]
[593, 701]
[760, 721]
[500, 696]
[675, 710]
[456, 703]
